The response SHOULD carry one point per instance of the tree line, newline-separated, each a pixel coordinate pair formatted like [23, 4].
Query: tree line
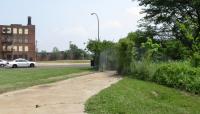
[74, 53]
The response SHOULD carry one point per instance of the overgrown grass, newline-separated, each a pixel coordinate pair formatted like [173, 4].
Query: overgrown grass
[12, 79]
[174, 74]
[131, 96]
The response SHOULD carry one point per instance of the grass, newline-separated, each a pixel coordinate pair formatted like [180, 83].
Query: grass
[66, 61]
[131, 96]
[12, 79]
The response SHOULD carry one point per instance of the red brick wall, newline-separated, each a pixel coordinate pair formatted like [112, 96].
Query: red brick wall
[31, 54]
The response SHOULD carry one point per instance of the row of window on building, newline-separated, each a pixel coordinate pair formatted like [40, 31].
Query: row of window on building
[16, 40]
[10, 57]
[16, 48]
[10, 30]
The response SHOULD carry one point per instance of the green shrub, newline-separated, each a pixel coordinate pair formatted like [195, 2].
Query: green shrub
[195, 61]
[143, 70]
[126, 52]
[178, 76]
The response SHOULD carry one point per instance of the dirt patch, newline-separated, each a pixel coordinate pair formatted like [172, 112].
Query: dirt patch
[65, 97]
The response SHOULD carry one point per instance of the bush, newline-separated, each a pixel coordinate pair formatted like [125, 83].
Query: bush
[180, 76]
[143, 70]
[195, 61]
[126, 53]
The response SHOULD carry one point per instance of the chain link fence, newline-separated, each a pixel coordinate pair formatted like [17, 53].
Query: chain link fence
[108, 60]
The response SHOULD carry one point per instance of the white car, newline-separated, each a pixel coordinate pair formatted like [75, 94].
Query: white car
[3, 63]
[20, 63]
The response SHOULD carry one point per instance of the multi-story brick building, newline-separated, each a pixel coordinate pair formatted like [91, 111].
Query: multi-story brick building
[17, 41]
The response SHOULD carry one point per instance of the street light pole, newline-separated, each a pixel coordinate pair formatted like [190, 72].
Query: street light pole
[98, 24]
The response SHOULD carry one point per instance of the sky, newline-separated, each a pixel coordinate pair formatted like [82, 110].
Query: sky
[60, 21]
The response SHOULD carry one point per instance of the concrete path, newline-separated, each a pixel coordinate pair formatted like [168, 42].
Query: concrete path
[65, 97]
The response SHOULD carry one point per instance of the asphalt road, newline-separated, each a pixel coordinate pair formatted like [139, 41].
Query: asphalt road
[41, 65]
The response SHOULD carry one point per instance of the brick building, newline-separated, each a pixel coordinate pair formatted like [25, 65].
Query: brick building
[17, 41]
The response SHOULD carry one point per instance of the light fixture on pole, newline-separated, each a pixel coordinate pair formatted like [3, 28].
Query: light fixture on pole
[97, 23]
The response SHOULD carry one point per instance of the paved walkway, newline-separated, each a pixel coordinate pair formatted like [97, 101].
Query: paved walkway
[65, 97]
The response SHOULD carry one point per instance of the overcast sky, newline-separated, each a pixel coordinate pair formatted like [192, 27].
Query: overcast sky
[60, 21]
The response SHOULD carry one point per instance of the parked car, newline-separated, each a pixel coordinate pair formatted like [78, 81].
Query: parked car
[3, 63]
[20, 63]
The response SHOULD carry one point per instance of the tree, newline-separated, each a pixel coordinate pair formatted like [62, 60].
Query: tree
[126, 54]
[173, 49]
[55, 54]
[165, 14]
[43, 54]
[75, 53]
[96, 47]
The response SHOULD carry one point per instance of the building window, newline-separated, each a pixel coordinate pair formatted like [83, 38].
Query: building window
[14, 30]
[9, 30]
[20, 31]
[9, 57]
[20, 40]
[3, 38]
[20, 48]
[4, 48]
[25, 31]
[15, 56]
[20, 56]
[4, 30]
[26, 56]
[14, 40]
[9, 40]
[9, 48]
[26, 40]
[26, 48]
[15, 48]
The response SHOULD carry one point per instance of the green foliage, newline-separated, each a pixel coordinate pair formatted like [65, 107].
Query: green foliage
[126, 52]
[195, 61]
[55, 54]
[142, 70]
[177, 75]
[75, 53]
[191, 37]
[150, 49]
[43, 54]
[173, 49]
[180, 76]
[166, 16]
[96, 47]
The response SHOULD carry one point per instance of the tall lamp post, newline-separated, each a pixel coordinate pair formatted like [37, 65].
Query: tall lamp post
[97, 54]
[98, 23]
